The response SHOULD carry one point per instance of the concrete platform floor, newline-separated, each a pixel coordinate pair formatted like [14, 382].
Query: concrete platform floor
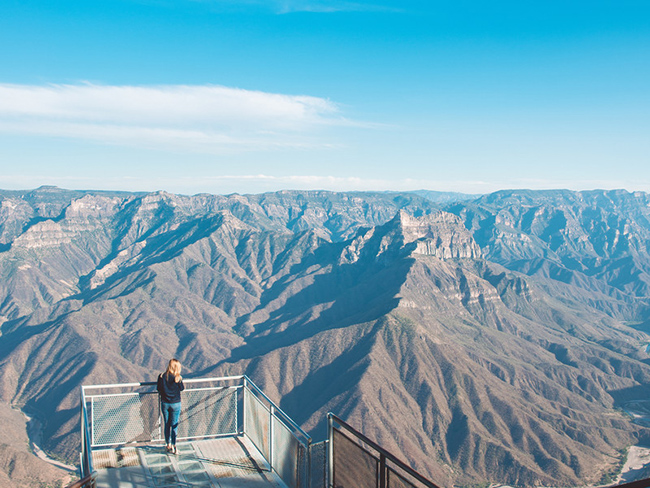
[229, 462]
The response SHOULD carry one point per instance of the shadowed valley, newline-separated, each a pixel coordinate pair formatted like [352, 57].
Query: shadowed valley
[485, 340]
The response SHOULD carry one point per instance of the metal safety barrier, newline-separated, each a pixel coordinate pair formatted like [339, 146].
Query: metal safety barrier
[127, 413]
[114, 415]
[354, 461]
[86, 464]
[644, 483]
[280, 440]
[318, 464]
[119, 414]
[86, 482]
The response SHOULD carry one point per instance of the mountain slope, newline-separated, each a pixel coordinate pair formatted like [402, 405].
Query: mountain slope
[489, 392]
[487, 342]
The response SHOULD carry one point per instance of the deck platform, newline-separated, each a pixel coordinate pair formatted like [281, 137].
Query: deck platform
[227, 462]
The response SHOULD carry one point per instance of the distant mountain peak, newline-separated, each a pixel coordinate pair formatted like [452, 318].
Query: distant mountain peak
[51, 188]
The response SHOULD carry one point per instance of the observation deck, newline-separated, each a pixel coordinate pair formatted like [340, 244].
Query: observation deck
[212, 463]
[230, 435]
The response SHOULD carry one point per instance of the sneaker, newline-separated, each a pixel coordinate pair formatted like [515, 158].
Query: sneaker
[173, 451]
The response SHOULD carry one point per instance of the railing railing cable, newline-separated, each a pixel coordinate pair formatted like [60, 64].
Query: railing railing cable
[347, 459]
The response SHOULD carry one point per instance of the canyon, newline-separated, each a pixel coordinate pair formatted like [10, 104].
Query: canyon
[485, 339]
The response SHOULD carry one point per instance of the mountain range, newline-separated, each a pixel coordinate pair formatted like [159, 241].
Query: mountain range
[496, 338]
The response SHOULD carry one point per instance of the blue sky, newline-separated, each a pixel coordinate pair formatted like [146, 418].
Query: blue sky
[246, 96]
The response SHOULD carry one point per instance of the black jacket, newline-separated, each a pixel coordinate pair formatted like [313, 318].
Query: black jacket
[170, 391]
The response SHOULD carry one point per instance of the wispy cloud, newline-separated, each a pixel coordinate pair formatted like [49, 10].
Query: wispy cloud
[331, 6]
[199, 118]
[291, 6]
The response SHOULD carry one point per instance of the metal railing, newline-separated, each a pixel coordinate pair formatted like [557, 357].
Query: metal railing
[86, 461]
[281, 441]
[645, 483]
[120, 414]
[354, 461]
[318, 464]
[86, 482]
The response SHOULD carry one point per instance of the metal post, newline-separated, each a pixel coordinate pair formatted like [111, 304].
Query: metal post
[308, 483]
[161, 420]
[83, 433]
[237, 411]
[271, 412]
[92, 421]
[243, 403]
[330, 451]
[382, 470]
[325, 464]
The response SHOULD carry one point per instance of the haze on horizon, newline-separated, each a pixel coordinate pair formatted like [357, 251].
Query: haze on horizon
[225, 96]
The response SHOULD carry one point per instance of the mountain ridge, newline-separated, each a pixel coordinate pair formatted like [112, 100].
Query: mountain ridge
[497, 342]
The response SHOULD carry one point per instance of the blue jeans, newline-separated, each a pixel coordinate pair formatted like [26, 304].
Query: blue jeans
[171, 413]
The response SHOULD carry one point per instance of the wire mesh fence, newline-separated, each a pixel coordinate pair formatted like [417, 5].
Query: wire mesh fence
[208, 412]
[357, 462]
[318, 465]
[354, 467]
[397, 481]
[281, 442]
[118, 416]
[123, 418]
[115, 415]
[288, 454]
[257, 422]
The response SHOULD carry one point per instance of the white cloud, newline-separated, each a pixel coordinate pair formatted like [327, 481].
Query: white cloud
[200, 118]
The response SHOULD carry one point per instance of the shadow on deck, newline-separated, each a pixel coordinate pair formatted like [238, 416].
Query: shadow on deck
[227, 462]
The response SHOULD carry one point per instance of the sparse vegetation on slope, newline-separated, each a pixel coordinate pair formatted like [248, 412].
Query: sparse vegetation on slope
[484, 341]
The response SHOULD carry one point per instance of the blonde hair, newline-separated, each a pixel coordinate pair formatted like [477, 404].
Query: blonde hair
[174, 369]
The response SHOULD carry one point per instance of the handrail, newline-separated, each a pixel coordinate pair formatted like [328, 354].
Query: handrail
[115, 385]
[383, 452]
[151, 383]
[86, 482]
[645, 483]
[221, 378]
[89, 392]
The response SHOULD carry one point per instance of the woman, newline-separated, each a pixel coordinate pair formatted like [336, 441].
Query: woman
[170, 385]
